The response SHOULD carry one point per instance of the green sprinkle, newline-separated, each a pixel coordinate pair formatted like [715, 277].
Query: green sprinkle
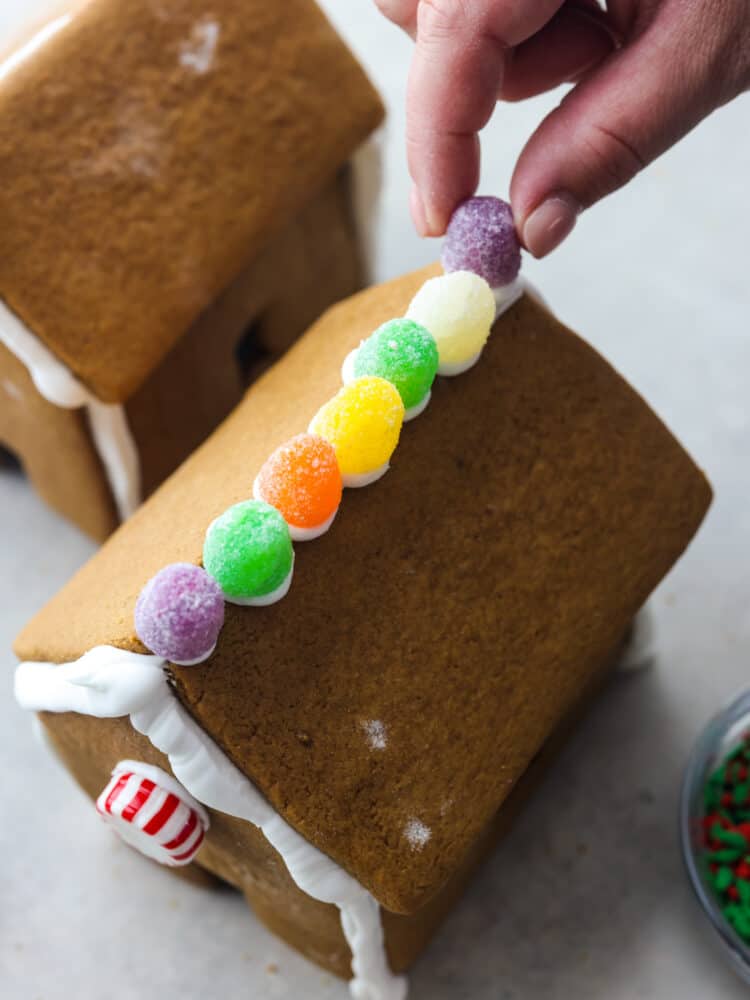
[723, 879]
[740, 793]
[724, 855]
[730, 837]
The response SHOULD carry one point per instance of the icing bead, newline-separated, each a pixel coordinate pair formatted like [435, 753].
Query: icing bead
[363, 423]
[458, 309]
[248, 551]
[405, 354]
[153, 813]
[302, 481]
[481, 237]
[179, 614]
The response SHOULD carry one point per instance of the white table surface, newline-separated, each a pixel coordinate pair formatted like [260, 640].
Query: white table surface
[586, 899]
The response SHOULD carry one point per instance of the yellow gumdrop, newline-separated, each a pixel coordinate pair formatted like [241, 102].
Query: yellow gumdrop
[458, 309]
[363, 423]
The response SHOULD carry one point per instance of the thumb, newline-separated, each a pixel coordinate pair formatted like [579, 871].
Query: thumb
[631, 109]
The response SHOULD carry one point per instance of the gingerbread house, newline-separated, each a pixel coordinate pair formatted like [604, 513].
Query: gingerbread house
[175, 209]
[347, 755]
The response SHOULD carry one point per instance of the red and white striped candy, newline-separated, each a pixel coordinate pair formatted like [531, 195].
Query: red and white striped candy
[153, 813]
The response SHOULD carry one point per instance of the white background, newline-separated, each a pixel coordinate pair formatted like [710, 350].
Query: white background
[586, 899]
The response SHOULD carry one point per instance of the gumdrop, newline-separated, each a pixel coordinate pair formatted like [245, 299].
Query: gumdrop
[248, 551]
[363, 423]
[179, 614]
[481, 237]
[458, 309]
[405, 354]
[302, 481]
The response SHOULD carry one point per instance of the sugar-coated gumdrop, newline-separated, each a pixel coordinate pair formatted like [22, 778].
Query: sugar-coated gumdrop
[363, 423]
[458, 309]
[179, 614]
[302, 480]
[248, 551]
[481, 237]
[404, 353]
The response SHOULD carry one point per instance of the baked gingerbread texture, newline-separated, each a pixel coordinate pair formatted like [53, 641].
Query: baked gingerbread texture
[470, 602]
[185, 189]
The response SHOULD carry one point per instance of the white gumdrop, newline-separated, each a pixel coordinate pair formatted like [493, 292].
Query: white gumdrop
[458, 309]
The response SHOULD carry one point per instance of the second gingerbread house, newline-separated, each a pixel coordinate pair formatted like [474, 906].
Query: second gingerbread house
[175, 209]
[347, 755]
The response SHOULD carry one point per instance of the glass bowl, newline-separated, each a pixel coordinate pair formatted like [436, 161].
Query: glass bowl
[722, 734]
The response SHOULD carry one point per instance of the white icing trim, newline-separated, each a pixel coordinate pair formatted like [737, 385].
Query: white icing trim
[265, 600]
[640, 649]
[118, 453]
[199, 659]
[508, 295]
[450, 368]
[108, 683]
[355, 480]
[347, 369]
[296, 533]
[109, 426]
[418, 408]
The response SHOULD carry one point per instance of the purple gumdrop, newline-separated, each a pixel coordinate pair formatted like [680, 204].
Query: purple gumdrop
[179, 614]
[481, 237]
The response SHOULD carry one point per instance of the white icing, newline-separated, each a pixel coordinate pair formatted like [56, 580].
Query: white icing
[348, 374]
[640, 649]
[355, 480]
[199, 659]
[109, 427]
[118, 453]
[197, 52]
[376, 734]
[417, 833]
[450, 368]
[298, 534]
[108, 683]
[508, 295]
[265, 600]
[414, 411]
[37, 40]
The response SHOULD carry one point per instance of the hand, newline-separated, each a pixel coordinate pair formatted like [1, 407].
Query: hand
[646, 72]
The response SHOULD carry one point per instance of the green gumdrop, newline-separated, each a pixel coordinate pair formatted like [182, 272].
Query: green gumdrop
[248, 550]
[405, 354]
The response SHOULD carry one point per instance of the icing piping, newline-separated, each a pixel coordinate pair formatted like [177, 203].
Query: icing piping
[109, 426]
[108, 683]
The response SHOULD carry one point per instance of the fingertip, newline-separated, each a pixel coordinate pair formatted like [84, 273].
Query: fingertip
[416, 206]
[552, 221]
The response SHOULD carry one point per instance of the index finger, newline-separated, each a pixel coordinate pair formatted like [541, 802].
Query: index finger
[455, 77]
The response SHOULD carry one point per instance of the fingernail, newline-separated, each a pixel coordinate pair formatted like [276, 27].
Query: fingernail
[418, 213]
[550, 223]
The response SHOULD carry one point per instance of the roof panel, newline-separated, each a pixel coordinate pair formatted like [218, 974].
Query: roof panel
[454, 613]
[147, 151]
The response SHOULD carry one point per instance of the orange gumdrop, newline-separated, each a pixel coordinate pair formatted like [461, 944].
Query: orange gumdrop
[302, 481]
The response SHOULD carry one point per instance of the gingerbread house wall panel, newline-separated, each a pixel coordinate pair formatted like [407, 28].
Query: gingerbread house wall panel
[239, 854]
[528, 514]
[55, 449]
[312, 262]
[147, 152]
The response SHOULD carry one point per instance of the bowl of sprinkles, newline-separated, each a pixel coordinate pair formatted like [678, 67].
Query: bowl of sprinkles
[715, 828]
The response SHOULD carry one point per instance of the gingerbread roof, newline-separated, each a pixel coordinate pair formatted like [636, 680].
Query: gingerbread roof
[147, 152]
[435, 636]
